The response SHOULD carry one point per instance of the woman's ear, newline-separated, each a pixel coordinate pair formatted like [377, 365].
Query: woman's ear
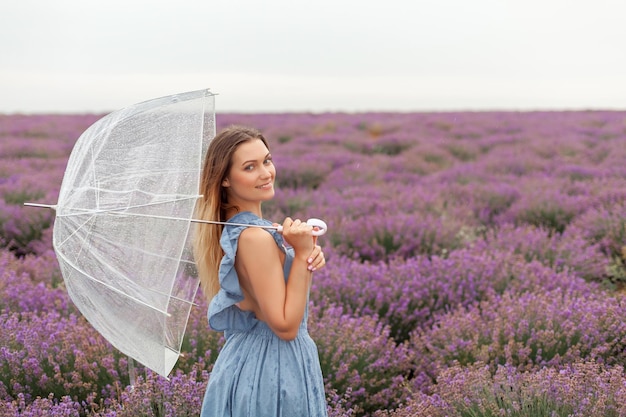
[225, 183]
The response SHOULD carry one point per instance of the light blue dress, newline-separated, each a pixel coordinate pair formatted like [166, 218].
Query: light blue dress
[257, 374]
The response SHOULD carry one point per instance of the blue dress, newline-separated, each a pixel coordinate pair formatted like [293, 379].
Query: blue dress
[257, 374]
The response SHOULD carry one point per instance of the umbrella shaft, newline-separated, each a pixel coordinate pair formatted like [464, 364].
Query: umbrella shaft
[235, 224]
[313, 222]
[155, 216]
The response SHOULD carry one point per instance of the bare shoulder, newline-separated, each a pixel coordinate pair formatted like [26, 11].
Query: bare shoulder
[255, 236]
[256, 244]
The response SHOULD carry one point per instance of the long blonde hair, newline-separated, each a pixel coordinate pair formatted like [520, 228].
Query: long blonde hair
[214, 203]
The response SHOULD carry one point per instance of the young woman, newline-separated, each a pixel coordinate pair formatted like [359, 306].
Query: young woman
[258, 288]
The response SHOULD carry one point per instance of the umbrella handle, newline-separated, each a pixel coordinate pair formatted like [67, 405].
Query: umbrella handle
[320, 224]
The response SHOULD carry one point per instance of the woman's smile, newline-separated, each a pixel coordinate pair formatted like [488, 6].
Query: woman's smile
[266, 186]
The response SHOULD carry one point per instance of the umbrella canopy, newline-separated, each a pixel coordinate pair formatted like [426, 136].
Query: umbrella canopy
[123, 223]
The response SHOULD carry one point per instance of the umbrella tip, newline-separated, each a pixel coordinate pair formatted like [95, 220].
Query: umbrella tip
[50, 206]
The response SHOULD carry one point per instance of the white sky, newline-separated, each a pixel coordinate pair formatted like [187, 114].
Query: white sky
[67, 56]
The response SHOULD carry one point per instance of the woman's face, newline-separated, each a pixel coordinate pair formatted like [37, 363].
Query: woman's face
[251, 176]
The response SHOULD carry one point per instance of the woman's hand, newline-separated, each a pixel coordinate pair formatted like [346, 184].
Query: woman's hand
[298, 234]
[316, 260]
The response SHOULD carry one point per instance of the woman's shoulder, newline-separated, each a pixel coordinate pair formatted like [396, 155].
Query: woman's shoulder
[255, 236]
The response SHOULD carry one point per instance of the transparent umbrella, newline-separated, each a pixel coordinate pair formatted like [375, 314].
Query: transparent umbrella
[122, 233]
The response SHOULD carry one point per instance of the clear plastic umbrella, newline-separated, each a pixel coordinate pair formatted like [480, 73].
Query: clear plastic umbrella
[123, 227]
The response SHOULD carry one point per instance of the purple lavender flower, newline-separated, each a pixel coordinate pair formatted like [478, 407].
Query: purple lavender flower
[528, 331]
[357, 355]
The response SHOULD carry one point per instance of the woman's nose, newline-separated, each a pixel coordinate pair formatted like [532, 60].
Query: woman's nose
[266, 172]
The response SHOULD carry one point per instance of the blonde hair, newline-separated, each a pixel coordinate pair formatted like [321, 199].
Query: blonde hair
[214, 203]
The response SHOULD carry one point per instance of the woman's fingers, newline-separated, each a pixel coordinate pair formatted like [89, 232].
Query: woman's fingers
[300, 227]
[298, 234]
[317, 227]
[317, 259]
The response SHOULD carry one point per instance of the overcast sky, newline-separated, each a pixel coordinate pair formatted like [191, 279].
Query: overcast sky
[68, 56]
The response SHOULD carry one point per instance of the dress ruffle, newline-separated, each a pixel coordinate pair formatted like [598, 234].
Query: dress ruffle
[223, 312]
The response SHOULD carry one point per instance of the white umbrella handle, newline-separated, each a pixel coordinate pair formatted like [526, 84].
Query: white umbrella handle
[320, 224]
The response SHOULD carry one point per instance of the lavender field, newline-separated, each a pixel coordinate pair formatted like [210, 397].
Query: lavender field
[476, 268]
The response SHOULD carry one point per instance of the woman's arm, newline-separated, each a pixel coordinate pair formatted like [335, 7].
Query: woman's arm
[280, 305]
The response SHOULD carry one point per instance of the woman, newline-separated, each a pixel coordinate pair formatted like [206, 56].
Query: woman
[269, 366]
